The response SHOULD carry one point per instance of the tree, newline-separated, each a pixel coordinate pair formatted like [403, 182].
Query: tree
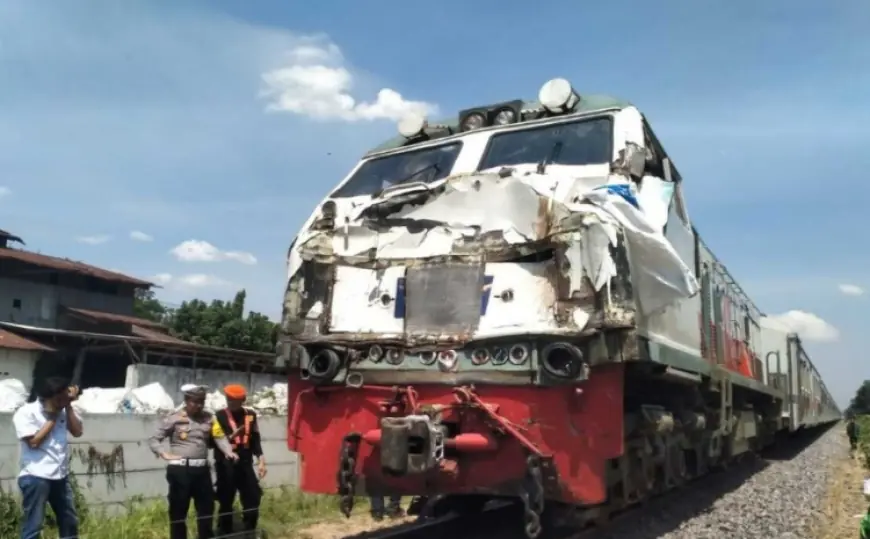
[222, 324]
[146, 305]
[860, 404]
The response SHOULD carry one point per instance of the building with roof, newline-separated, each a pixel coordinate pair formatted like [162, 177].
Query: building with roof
[61, 316]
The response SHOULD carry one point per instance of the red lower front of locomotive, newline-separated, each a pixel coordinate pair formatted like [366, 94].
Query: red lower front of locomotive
[484, 440]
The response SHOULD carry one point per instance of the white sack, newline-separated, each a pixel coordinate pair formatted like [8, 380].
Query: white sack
[148, 399]
[13, 394]
[98, 400]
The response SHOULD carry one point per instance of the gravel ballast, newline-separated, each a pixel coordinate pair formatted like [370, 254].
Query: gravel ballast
[777, 496]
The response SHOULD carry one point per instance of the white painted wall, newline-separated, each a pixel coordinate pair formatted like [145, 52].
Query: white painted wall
[144, 473]
[18, 364]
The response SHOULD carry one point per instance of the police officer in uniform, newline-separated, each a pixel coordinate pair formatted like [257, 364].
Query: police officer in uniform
[239, 424]
[190, 431]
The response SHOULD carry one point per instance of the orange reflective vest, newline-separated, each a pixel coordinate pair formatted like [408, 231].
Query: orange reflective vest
[243, 438]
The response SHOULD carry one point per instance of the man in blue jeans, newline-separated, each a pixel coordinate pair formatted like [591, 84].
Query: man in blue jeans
[42, 427]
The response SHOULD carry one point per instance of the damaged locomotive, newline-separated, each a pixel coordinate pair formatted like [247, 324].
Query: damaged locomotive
[514, 303]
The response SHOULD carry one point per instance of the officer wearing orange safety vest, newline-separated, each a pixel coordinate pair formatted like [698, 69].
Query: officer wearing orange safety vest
[241, 427]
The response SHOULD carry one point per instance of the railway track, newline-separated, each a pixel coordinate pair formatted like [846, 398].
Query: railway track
[454, 526]
[503, 520]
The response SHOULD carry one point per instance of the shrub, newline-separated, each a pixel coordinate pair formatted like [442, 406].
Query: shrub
[281, 511]
[864, 438]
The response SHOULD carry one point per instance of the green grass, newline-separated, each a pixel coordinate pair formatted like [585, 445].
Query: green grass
[864, 438]
[281, 511]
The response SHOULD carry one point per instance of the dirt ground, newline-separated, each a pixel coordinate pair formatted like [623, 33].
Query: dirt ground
[844, 505]
[339, 529]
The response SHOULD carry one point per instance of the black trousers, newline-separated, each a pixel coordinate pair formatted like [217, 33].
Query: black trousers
[238, 477]
[377, 503]
[188, 483]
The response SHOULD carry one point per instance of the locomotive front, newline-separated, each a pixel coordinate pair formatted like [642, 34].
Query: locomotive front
[459, 308]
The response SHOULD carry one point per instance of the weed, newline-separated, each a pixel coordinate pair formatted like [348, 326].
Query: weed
[10, 514]
[281, 510]
[864, 438]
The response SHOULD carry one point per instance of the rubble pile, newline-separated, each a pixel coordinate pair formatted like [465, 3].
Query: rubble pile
[149, 399]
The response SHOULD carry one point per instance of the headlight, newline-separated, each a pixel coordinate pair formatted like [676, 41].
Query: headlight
[375, 354]
[562, 360]
[328, 209]
[475, 120]
[412, 125]
[395, 356]
[480, 356]
[505, 117]
[428, 357]
[518, 354]
[447, 360]
[499, 355]
[557, 96]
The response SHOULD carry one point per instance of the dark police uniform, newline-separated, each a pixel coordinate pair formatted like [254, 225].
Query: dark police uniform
[238, 476]
[189, 477]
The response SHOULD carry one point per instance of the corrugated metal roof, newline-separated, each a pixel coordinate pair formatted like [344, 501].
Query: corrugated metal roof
[102, 316]
[156, 336]
[65, 264]
[151, 339]
[17, 342]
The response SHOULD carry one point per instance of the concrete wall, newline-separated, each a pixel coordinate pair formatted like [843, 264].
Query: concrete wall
[39, 302]
[18, 364]
[144, 474]
[172, 378]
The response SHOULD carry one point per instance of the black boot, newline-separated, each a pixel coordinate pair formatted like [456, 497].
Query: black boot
[394, 509]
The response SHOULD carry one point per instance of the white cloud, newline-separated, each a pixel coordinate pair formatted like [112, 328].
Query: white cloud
[317, 83]
[138, 235]
[5, 191]
[203, 251]
[162, 279]
[851, 290]
[809, 326]
[192, 280]
[93, 240]
[201, 280]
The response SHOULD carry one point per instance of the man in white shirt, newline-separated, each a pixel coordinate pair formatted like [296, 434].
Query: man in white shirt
[42, 428]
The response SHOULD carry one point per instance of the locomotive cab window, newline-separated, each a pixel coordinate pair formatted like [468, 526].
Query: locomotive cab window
[427, 166]
[584, 142]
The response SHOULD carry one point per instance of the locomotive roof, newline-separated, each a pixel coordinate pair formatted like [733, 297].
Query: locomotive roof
[588, 103]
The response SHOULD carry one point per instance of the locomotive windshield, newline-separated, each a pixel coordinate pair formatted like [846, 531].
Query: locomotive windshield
[427, 165]
[587, 142]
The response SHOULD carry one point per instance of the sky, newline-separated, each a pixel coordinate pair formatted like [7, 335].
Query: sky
[186, 141]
